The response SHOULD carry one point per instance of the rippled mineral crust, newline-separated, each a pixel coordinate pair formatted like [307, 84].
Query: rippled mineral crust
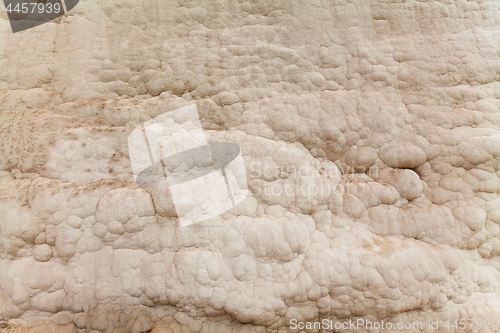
[385, 112]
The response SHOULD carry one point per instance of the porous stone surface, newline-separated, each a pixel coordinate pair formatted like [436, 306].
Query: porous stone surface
[371, 137]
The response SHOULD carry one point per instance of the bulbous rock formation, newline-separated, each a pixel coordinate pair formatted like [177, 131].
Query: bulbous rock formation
[370, 133]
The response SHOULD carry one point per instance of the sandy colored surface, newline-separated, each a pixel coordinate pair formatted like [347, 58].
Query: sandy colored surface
[371, 137]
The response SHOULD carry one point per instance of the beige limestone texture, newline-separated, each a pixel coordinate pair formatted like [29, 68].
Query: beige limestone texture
[371, 136]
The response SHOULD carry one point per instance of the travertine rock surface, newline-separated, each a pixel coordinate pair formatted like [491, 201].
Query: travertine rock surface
[371, 137]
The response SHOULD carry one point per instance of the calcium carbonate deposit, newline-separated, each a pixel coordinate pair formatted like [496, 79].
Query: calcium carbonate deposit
[370, 134]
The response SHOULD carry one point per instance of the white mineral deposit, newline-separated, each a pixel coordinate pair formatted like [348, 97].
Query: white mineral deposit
[360, 192]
